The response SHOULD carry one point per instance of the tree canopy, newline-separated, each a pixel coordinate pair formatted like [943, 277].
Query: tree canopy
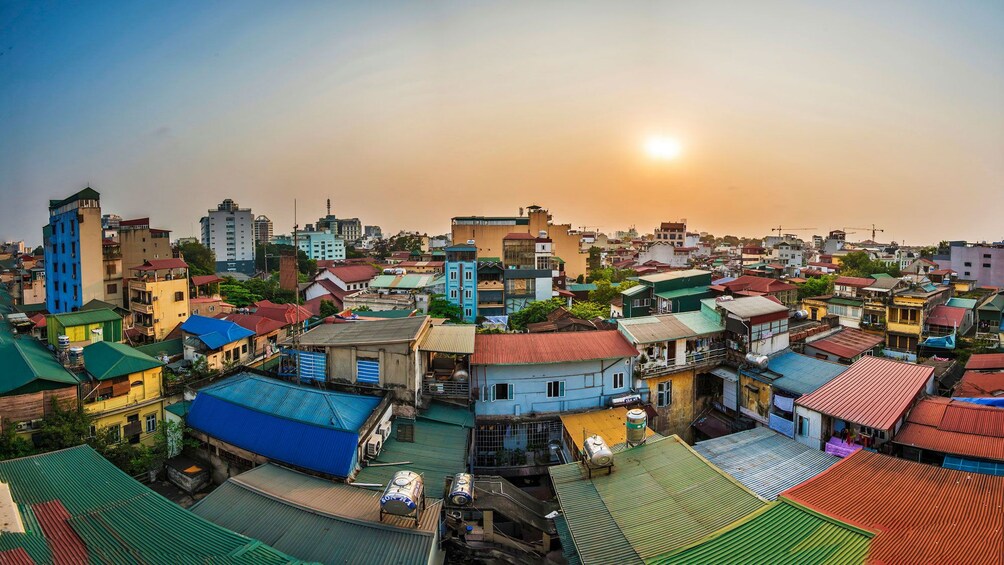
[605, 291]
[201, 260]
[859, 264]
[816, 286]
[440, 307]
[304, 264]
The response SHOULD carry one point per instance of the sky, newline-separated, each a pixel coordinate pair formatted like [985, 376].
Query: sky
[806, 114]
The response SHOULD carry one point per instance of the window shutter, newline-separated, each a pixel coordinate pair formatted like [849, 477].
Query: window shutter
[561, 388]
[511, 396]
[492, 392]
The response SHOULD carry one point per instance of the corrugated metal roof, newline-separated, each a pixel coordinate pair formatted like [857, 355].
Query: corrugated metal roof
[847, 343]
[967, 303]
[636, 289]
[317, 520]
[610, 424]
[860, 282]
[84, 317]
[214, 333]
[682, 292]
[660, 496]
[782, 533]
[674, 275]
[957, 428]
[873, 392]
[404, 282]
[360, 333]
[800, 374]
[985, 361]
[170, 347]
[922, 513]
[562, 347]
[750, 306]
[117, 518]
[667, 327]
[449, 339]
[947, 316]
[976, 384]
[765, 461]
[26, 360]
[105, 360]
[567, 544]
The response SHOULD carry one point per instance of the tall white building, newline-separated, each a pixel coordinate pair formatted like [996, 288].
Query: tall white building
[321, 245]
[229, 232]
[263, 230]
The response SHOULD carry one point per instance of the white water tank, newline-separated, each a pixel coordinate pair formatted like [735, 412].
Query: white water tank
[597, 452]
[403, 494]
[63, 341]
[757, 360]
[462, 491]
[75, 357]
[800, 314]
[637, 421]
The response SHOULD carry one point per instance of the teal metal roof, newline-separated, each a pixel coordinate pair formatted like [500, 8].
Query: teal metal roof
[660, 497]
[104, 360]
[567, 544]
[581, 287]
[179, 409]
[636, 289]
[117, 518]
[683, 292]
[439, 450]
[782, 533]
[389, 314]
[404, 282]
[317, 520]
[844, 301]
[25, 361]
[967, 303]
[796, 373]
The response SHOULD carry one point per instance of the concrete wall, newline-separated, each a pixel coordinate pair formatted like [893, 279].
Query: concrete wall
[399, 366]
[676, 417]
[815, 438]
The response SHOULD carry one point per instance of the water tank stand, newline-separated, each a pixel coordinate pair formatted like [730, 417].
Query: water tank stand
[416, 516]
[590, 468]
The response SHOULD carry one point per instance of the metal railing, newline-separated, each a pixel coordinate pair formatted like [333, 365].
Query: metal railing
[454, 389]
[692, 360]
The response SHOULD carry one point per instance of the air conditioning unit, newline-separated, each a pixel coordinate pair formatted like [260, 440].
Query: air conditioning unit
[384, 430]
[373, 446]
[23, 426]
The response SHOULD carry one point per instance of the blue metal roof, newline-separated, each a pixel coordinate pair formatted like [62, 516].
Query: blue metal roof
[307, 405]
[801, 374]
[214, 333]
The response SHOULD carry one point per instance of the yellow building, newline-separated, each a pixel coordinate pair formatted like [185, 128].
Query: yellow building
[907, 314]
[158, 298]
[123, 391]
[487, 233]
[674, 399]
[815, 306]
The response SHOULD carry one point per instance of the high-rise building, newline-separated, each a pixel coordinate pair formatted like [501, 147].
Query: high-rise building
[350, 229]
[373, 231]
[73, 252]
[262, 230]
[229, 232]
[462, 279]
[110, 225]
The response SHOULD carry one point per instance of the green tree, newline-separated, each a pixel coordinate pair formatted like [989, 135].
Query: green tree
[11, 444]
[64, 427]
[201, 260]
[606, 292]
[440, 307]
[859, 264]
[352, 253]
[536, 311]
[39, 251]
[328, 308]
[816, 286]
[593, 261]
[590, 310]
[238, 294]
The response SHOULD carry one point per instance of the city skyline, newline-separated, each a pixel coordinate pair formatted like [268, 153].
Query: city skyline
[406, 116]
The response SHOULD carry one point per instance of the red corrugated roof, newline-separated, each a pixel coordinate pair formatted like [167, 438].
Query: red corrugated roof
[517, 235]
[941, 272]
[161, 264]
[39, 320]
[16, 556]
[984, 361]
[260, 325]
[976, 384]
[285, 313]
[859, 282]
[758, 284]
[65, 544]
[530, 349]
[948, 316]
[955, 428]
[847, 343]
[205, 279]
[873, 392]
[921, 513]
[353, 273]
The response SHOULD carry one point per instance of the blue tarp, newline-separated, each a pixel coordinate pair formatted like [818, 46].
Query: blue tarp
[324, 450]
[988, 401]
[943, 342]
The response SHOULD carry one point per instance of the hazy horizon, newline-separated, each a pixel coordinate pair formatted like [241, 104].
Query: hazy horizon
[801, 114]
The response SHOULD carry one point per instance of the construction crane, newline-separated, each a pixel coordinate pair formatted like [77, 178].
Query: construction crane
[872, 229]
[780, 231]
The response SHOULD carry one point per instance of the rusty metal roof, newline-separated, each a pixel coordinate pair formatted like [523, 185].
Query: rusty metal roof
[922, 513]
[977, 384]
[532, 349]
[955, 428]
[847, 343]
[449, 339]
[873, 392]
[984, 361]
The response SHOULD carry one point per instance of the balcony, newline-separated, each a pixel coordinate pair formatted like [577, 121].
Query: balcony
[904, 328]
[141, 307]
[138, 284]
[143, 330]
[694, 360]
[446, 388]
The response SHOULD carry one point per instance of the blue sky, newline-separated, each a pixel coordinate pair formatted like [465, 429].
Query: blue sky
[807, 114]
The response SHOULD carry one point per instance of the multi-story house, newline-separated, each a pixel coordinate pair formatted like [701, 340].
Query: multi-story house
[877, 297]
[529, 271]
[158, 297]
[229, 232]
[980, 262]
[321, 245]
[111, 261]
[907, 316]
[675, 233]
[491, 288]
[263, 230]
[462, 279]
[139, 243]
[123, 392]
[220, 342]
[664, 293]
[73, 253]
[747, 285]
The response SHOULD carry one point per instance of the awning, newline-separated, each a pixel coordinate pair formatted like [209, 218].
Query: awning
[724, 373]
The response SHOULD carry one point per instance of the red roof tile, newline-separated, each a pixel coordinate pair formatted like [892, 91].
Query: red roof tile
[161, 264]
[353, 273]
[847, 343]
[921, 513]
[859, 282]
[205, 279]
[956, 428]
[948, 316]
[530, 349]
[984, 361]
[873, 392]
[758, 284]
[65, 544]
[977, 384]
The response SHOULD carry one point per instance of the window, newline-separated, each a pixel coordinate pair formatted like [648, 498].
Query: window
[966, 273]
[665, 391]
[112, 289]
[986, 255]
[468, 294]
[468, 275]
[986, 265]
[115, 434]
[368, 371]
[453, 275]
[151, 423]
[244, 348]
[618, 380]
[453, 293]
[468, 312]
[501, 391]
[968, 264]
[555, 389]
[179, 296]
[803, 426]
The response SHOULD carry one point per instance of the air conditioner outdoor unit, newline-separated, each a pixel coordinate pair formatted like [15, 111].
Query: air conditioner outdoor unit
[384, 430]
[373, 446]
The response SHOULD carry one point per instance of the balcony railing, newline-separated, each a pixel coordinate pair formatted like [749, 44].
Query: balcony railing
[691, 361]
[141, 307]
[446, 388]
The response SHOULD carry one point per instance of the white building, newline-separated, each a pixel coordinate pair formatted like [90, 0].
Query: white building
[321, 245]
[229, 232]
[788, 253]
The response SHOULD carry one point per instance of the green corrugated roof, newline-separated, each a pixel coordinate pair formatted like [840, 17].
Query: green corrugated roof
[880, 276]
[682, 292]
[105, 360]
[582, 287]
[995, 304]
[967, 303]
[119, 519]
[24, 360]
[660, 497]
[439, 449]
[170, 347]
[844, 301]
[567, 545]
[179, 409]
[385, 314]
[71, 319]
[779, 534]
[636, 289]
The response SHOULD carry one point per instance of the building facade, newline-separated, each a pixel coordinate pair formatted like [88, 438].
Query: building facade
[321, 245]
[73, 253]
[229, 232]
[158, 298]
[263, 230]
[462, 279]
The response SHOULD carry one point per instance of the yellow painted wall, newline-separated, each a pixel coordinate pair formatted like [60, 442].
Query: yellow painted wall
[92, 276]
[819, 305]
[166, 309]
[143, 399]
[677, 417]
[756, 402]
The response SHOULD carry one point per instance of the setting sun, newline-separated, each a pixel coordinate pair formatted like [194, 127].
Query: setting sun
[663, 148]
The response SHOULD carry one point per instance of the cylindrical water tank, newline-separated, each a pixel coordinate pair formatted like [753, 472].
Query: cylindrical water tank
[460, 375]
[76, 356]
[800, 314]
[757, 360]
[63, 341]
[637, 421]
[597, 451]
[403, 494]
[462, 492]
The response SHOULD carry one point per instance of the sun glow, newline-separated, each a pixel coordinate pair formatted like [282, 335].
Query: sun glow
[663, 148]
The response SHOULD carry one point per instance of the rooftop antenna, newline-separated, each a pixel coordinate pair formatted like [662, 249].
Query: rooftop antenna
[296, 262]
[329, 208]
